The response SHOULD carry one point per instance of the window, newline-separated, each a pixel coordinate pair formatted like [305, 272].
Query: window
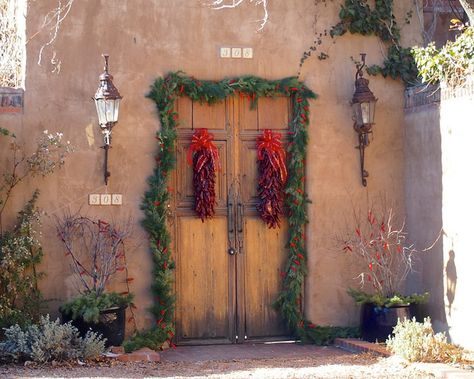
[12, 54]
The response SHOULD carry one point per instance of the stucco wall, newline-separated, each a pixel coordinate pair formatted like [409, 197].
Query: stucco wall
[438, 202]
[147, 38]
[457, 108]
[423, 196]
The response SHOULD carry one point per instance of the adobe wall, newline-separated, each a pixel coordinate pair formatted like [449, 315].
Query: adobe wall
[438, 154]
[146, 39]
[457, 108]
[423, 195]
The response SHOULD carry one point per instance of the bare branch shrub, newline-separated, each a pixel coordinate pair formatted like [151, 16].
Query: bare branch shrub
[52, 22]
[380, 243]
[49, 154]
[96, 249]
[226, 4]
[12, 45]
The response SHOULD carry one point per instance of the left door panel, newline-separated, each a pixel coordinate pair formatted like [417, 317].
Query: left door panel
[205, 272]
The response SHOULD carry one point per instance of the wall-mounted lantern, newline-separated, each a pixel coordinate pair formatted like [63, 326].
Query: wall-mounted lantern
[107, 101]
[363, 107]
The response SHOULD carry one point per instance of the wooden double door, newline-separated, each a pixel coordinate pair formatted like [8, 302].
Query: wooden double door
[228, 269]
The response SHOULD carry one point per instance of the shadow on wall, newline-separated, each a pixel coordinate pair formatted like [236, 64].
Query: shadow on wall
[451, 280]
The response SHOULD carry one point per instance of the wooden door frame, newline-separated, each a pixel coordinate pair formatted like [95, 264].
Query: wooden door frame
[164, 92]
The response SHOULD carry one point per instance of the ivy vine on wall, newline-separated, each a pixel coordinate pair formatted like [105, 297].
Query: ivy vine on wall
[155, 205]
[358, 17]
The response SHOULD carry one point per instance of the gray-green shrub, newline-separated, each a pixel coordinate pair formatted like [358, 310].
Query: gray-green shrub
[48, 341]
[417, 342]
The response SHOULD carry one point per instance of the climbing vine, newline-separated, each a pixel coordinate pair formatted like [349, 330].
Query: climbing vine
[358, 17]
[155, 205]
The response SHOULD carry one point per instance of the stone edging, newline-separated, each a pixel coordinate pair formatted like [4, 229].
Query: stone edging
[358, 346]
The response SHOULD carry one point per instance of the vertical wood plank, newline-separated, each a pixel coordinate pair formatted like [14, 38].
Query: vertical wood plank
[203, 288]
[184, 108]
[265, 258]
[273, 113]
[212, 117]
[248, 118]
[249, 172]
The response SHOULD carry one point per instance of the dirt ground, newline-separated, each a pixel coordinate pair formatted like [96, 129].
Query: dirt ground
[340, 366]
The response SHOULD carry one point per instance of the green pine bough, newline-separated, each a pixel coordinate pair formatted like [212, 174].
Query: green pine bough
[165, 92]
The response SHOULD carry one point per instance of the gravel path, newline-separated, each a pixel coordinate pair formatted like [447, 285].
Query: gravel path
[341, 366]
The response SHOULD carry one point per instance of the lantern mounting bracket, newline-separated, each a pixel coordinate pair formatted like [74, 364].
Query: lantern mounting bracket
[360, 67]
[107, 100]
[363, 105]
[363, 143]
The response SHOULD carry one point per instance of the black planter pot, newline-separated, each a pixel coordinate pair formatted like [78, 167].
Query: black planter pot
[377, 323]
[111, 325]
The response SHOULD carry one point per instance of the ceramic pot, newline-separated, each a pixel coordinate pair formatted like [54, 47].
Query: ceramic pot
[111, 325]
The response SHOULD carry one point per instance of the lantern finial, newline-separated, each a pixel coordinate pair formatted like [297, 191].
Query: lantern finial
[106, 58]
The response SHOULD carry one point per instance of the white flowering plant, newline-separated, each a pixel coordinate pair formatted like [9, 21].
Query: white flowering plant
[49, 154]
[20, 250]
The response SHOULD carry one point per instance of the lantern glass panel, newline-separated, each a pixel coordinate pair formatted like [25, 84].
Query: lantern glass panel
[356, 109]
[372, 111]
[112, 110]
[365, 113]
[101, 110]
[107, 110]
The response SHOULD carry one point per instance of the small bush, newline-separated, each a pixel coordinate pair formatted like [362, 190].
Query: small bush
[154, 339]
[48, 341]
[452, 63]
[417, 342]
[89, 306]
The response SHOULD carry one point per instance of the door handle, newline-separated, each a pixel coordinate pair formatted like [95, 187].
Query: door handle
[240, 227]
[240, 217]
[231, 222]
[230, 217]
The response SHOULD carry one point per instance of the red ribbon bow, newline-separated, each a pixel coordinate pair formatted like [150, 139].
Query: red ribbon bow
[203, 140]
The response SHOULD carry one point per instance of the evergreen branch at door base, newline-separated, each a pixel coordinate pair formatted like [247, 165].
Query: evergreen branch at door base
[156, 205]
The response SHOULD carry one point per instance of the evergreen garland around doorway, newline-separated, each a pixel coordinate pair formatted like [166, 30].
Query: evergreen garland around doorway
[156, 206]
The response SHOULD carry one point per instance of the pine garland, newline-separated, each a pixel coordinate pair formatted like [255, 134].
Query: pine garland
[164, 92]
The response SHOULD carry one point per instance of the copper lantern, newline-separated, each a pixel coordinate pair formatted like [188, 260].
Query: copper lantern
[363, 108]
[107, 102]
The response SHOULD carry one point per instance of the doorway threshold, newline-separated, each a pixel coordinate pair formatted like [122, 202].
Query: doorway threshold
[248, 350]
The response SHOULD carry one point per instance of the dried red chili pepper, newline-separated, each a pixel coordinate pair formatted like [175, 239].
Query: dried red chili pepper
[204, 157]
[272, 177]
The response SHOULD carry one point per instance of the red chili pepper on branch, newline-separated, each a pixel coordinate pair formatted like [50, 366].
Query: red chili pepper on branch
[271, 158]
[204, 157]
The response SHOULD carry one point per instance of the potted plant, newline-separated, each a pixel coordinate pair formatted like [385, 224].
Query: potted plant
[380, 248]
[97, 253]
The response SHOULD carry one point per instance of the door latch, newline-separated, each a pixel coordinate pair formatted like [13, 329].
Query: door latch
[231, 221]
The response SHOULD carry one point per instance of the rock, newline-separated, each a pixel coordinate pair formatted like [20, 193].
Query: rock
[143, 355]
[117, 350]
